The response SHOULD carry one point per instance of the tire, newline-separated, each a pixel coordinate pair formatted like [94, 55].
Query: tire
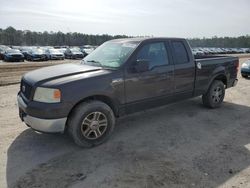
[83, 125]
[215, 95]
[244, 75]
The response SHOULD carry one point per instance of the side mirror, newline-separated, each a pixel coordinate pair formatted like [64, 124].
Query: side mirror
[141, 65]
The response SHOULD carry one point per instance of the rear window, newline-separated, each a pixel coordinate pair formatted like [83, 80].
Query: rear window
[180, 52]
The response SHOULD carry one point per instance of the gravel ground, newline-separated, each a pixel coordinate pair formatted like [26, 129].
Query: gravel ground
[10, 72]
[179, 145]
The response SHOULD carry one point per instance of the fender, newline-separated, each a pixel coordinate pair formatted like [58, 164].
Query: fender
[218, 72]
[105, 97]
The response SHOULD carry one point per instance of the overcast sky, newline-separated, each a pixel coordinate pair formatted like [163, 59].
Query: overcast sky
[172, 18]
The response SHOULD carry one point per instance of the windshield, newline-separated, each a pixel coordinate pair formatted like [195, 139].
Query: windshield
[13, 51]
[37, 51]
[110, 54]
[75, 50]
[54, 51]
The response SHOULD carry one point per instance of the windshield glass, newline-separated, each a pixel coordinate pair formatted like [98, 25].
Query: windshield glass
[13, 51]
[37, 51]
[110, 54]
[54, 51]
[75, 50]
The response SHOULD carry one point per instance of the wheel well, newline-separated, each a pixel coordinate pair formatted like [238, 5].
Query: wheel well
[222, 78]
[101, 98]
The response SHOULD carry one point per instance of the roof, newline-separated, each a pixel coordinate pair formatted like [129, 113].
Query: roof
[145, 39]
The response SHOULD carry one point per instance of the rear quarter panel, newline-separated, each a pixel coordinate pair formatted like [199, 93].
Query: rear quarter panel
[213, 67]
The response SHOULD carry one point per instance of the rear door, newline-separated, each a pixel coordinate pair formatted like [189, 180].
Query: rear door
[184, 67]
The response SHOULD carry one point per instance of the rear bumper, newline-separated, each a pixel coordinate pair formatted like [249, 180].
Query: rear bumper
[235, 82]
[232, 83]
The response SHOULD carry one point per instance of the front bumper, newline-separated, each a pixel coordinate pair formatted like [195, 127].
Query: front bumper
[245, 71]
[77, 56]
[56, 57]
[39, 58]
[45, 125]
[55, 125]
[14, 59]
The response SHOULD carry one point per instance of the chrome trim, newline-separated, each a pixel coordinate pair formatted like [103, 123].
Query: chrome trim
[46, 125]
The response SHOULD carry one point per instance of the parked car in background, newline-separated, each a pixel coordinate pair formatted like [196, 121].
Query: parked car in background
[197, 52]
[245, 69]
[87, 49]
[54, 54]
[25, 49]
[13, 55]
[63, 50]
[73, 53]
[3, 48]
[36, 55]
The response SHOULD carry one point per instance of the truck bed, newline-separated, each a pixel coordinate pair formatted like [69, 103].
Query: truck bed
[207, 66]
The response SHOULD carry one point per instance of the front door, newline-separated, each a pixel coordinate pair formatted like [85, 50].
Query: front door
[150, 88]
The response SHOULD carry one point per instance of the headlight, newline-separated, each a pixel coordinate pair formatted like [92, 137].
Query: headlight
[245, 66]
[47, 95]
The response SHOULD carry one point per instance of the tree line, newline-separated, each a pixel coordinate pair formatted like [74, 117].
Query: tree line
[11, 36]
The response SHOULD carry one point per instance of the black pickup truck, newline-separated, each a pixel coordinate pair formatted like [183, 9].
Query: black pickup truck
[120, 77]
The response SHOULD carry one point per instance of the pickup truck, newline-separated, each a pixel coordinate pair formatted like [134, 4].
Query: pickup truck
[121, 76]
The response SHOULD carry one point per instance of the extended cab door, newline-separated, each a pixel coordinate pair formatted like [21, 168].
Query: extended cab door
[150, 88]
[184, 73]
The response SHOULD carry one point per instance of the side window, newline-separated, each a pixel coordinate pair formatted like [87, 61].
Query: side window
[180, 52]
[155, 53]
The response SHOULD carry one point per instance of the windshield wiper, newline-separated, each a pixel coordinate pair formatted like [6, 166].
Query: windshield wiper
[95, 62]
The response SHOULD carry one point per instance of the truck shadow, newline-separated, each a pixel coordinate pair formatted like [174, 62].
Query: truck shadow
[180, 145]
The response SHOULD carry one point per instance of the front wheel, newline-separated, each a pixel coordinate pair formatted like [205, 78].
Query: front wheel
[91, 123]
[215, 95]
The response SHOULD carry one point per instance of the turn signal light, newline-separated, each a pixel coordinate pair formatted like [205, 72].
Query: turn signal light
[57, 94]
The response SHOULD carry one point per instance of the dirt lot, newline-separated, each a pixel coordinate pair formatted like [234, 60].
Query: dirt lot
[180, 145]
[10, 73]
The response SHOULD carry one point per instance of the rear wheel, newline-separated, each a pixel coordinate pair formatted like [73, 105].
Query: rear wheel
[215, 95]
[91, 123]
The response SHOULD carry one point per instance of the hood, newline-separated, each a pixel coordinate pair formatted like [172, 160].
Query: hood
[15, 53]
[57, 71]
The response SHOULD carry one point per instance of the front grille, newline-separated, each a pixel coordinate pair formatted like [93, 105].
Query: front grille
[39, 56]
[25, 88]
[79, 56]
